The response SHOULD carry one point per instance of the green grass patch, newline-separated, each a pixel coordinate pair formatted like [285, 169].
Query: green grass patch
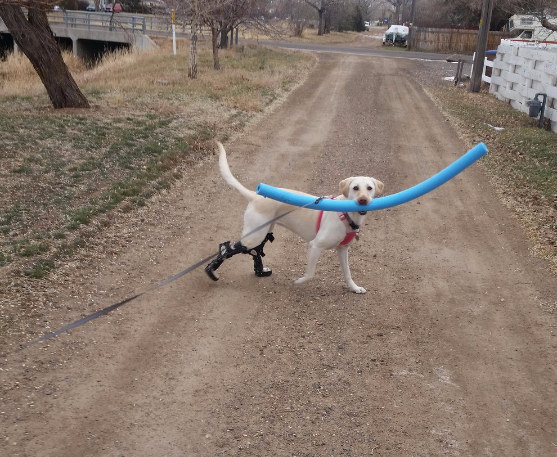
[39, 269]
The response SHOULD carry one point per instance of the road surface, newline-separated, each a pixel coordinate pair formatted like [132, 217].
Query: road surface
[451, 352]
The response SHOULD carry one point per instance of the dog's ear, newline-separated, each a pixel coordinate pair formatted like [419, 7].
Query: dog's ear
[379, 186]
[344, 186]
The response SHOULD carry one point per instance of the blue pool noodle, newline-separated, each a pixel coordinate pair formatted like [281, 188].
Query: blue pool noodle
[327, 204]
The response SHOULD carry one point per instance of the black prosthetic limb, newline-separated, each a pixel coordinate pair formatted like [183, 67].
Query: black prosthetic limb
[226, 251]
[257, 254]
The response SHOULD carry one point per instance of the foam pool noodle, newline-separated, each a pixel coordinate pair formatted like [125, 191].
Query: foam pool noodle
[326, 204]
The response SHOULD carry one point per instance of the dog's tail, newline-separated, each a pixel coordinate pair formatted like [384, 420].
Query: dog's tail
[229, 177]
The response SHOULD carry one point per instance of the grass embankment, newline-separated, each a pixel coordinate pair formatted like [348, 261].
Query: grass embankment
[64, 173]
[522, 160]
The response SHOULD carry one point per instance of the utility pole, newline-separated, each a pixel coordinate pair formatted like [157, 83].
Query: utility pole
[412, 17]
[476, 77]
[413, 11]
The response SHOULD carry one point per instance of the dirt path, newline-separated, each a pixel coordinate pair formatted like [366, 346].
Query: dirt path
[451, 351]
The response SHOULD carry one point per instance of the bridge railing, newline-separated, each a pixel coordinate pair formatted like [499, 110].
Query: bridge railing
[94, 20]
[146, 24]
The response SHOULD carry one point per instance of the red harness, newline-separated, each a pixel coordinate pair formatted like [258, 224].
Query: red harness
[349, 236]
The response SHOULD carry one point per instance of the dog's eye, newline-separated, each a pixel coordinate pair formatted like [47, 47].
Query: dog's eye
[356, 187]
[369, 188]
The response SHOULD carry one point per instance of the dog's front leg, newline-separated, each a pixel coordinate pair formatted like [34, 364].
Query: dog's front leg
[313, 256]
[343, 258]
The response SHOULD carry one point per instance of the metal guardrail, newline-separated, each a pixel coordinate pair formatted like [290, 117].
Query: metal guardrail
[146, 24]
[95, 21]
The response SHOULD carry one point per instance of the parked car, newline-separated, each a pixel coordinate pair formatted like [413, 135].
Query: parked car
[366, 25]
[57, 8]
[107, 8]
[117, 7]
[90, 7]
[396, 34]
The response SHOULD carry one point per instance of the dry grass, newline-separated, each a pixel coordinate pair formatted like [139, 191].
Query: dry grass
[284, 31]
[17, 75]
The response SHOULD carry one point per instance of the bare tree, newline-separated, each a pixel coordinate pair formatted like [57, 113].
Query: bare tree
[338, 14]
[544, 10]
[222, 17]
[397, 5]
[463, 13]
[33, 36]
[323, 8]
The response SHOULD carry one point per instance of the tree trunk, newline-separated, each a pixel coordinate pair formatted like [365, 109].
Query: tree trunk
[223, 37]
[192, 70]
[215, 40]
[34, 37]
[327, 22]
[320, 25]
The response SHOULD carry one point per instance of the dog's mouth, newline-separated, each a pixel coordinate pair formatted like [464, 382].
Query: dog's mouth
[363, 213]
[363, 202]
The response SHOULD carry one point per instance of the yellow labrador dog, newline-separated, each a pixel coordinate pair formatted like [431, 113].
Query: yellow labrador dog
[323, 230]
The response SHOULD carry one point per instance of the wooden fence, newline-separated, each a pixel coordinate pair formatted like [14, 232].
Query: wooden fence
[450, 40]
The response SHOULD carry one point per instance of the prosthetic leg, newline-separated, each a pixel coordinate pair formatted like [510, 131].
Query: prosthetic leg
[226, 251]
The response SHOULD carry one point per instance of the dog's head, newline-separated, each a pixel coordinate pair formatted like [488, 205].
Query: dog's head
[361, 189]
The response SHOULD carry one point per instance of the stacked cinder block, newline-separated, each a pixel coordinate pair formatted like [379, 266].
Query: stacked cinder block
[520, 71]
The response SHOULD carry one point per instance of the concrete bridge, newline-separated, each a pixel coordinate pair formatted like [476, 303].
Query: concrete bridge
[90, 34]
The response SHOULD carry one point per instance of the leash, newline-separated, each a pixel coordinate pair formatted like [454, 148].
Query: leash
[167, 281]
[114, 306]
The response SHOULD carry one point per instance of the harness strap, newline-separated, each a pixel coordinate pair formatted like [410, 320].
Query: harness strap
[348, 219]
[349, 237]
[345, 218]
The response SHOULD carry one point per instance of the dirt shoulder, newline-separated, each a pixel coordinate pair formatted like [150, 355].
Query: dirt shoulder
[449, 353]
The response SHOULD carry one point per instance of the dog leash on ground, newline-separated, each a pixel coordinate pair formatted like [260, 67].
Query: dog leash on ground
[152, 288]
[114, 306]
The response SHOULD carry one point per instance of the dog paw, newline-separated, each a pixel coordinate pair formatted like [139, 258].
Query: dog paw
[358, 290]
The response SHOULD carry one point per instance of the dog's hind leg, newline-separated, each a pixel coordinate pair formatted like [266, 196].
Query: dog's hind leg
[225, 252]
[255, 234]
[257, 254]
